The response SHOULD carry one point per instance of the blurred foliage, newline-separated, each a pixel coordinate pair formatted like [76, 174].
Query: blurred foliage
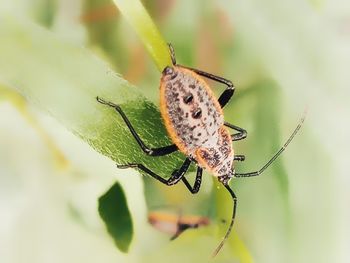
[102, 21]
[44, 11]
[274, 55]
[20, 103]
[138, 17]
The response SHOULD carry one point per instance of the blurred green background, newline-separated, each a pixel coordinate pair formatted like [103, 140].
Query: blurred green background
[60, 199]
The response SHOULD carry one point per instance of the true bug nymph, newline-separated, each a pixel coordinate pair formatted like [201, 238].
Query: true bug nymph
[194, 120]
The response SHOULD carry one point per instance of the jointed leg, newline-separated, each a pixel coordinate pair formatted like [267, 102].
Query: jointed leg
[242, 133]
[234, 199]
[175, 176]
[149, 151]
[181, 227]
[226, 95]
[239, 158]
[197, 183]
[277, 154]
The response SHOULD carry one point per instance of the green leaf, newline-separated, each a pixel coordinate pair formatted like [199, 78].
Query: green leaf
[64, 79]
[114, 211]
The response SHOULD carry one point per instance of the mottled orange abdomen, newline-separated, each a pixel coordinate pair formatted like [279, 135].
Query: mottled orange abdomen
[194, 120]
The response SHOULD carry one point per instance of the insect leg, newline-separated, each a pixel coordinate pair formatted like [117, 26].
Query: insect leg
[173, 179]
[239, 158]
[277, 154]
[242, 133]
[227, 94]
[197, 183]
[149, 151]
[181, 228]
[234, 198]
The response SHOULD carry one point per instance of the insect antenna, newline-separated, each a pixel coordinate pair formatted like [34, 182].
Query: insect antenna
[291, 137]
[234, 198]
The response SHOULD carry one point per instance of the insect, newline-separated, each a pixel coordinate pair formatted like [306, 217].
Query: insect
[175, 224]
[194, 120]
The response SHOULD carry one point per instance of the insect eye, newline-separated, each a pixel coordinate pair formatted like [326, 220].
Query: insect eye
[197, 113]
[188, 98]
[168, 70]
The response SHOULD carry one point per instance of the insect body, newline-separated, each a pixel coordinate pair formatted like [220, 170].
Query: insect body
[175, 224]
[194, 120]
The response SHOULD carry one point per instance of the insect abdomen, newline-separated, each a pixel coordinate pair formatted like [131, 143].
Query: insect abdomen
[218, 159]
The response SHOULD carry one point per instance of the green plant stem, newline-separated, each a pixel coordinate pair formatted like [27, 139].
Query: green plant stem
[136, 14]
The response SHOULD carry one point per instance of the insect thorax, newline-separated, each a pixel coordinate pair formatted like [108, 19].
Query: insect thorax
[194, 119]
